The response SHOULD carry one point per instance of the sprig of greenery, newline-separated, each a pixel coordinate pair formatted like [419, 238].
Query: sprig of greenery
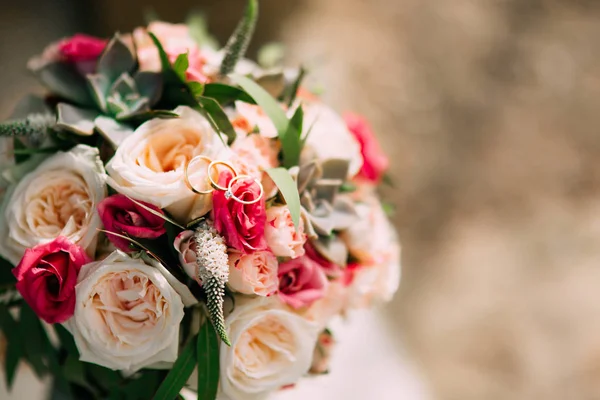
[35, 126]
[240, 39]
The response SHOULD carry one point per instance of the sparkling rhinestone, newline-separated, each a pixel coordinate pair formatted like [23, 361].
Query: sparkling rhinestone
[228, 194]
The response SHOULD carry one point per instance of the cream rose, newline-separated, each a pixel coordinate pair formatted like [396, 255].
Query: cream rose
[329, 137]
[373, 241]
[127, 314]
[149, 164]
[283, 238]
[270, 348]
[58, 198]
[254, 273]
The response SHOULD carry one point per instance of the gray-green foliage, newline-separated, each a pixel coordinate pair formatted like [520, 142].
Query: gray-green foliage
[238, 43]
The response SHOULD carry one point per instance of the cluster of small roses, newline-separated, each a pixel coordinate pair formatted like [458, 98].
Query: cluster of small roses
[289, 280]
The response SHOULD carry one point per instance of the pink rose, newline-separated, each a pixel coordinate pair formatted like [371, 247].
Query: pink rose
[186, 248]
[301, 282]
[254, 273]
[331, 269]
[242, 225]
[81, 48]
[375, 161]
[281, 234]
[46, 278]
[121, 215]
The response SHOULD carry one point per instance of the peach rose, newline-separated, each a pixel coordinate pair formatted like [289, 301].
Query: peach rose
[58, 198]
[175, 38]
[127, 314]
[149, 165]
[253, 273]
[282, 237]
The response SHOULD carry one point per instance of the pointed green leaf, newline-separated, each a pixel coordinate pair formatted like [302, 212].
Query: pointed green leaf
[31, 328]
[214, 110]
[208, 362]
[269, 105]
[289, 191]
[13, 357]
[179, 374]
[226, 94]
[238, 43]
[164, 58]
[181, 65]
[196, 88]
[291, 142]
[293, 89]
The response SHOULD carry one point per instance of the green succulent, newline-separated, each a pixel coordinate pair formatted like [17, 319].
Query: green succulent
[110, 100]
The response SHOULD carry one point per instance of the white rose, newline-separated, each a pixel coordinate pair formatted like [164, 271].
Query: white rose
[58, 198]
[329, 137]
[149, 164]
[373, 241]
[253, 273]
[127, 314]
[270, 348]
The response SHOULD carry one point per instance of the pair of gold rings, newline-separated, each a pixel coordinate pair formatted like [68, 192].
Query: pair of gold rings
[214, 185]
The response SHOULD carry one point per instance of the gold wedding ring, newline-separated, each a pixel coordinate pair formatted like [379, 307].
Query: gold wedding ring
[229, 193]
[187, 178]
[210, 178]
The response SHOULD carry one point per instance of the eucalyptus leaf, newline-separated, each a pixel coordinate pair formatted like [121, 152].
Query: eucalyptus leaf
[208, 362]
[236, 47]
[218, 116]
[179, 374]
[289, 191]
[76, 120]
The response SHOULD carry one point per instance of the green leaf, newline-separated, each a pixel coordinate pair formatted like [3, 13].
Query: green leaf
[289, 191]
[31, 328]
[13, 358]
[179, 374]
[240, 39]
[196, 88]
[164, 58]
[293, 89]
[18, 147]
[218, 116]
[226, 94]
[77, 120]
[269, 105]
[181, 65]
[291, 143]
[66, 339]
[208, 362]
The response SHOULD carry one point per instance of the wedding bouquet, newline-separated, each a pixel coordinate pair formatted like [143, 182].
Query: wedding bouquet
[175, 217]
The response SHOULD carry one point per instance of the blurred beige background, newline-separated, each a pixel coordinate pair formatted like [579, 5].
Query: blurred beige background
[489, 110]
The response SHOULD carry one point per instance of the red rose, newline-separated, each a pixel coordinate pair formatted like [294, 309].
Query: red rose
[121, 215]
[301, 282]
[80, 48]
[242, 225]
[375, 161]
[46, 278]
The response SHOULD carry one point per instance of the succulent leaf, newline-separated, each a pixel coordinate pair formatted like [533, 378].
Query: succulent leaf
[149, 85]
[76, 120]
[116, 60]
[64, 80]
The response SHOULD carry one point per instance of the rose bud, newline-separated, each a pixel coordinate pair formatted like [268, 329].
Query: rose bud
[120, 214]
[46, 278]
